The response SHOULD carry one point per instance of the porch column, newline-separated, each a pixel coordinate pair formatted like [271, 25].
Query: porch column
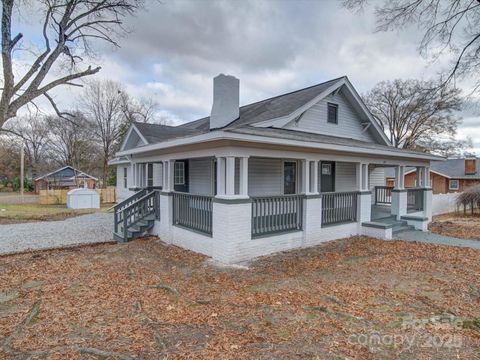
[244, 176]
[230, 176]
[220, 176]
[399, 193]
[315, 177]
[427, 181]
[305, 176]
[166, 184]
[419, 177]
[364, 204]
[134, 175]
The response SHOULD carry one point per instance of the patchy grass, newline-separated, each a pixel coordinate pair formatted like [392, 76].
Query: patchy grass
[20, 213]
[457, 225]
[148, 300]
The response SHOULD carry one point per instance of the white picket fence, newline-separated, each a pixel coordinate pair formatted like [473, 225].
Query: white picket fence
[444, 203]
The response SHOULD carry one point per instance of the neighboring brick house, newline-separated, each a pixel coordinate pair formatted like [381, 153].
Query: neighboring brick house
[449, 176]
[65, 178]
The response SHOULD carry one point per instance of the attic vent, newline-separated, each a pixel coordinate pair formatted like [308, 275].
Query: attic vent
[470, 166]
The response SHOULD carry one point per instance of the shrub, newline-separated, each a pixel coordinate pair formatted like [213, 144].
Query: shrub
[470, 198]
[27, 184]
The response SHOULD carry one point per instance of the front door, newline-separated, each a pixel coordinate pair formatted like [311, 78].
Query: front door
[327, 176]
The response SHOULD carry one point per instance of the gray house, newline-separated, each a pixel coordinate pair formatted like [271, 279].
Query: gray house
[290, 171]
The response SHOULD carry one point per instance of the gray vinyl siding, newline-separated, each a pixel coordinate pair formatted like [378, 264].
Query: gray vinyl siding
[345, 177]
[157, 174]
[200, 176]
[376, 178]
[265, 177]
[349, 123]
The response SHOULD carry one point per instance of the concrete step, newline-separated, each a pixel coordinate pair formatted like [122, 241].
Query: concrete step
[403, 228]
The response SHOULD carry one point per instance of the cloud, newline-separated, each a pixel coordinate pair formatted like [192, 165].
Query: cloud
[176, 47]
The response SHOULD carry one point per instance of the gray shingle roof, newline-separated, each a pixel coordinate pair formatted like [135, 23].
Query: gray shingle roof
[312, 137]
[268, 109]
[155, 133]
[453, 168]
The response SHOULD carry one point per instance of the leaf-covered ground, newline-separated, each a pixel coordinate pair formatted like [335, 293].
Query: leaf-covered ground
[148, 300]
[457, 225]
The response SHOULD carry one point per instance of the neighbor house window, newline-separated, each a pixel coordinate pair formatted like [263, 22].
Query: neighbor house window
[179, 173]
[453, 185]
[125, 177]
[289, 177]
[332, 113]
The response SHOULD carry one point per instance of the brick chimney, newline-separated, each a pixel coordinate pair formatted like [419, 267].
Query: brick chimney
[470, 166]
[226, 98]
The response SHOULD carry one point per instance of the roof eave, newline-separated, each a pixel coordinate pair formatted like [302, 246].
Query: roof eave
[224, 135]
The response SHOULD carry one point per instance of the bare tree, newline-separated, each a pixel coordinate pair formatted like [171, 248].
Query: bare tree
[103, 105]
[69, 28]
[414, 115]
[33, 131]
[450, 26]
[143, 110]
[70, 142]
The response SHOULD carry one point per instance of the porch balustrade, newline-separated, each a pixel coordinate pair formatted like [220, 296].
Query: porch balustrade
[339, 207]
[383, 195]
[193, 212]
[276, 214]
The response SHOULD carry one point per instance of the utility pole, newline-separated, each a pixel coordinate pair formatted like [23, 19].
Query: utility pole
[22, 166]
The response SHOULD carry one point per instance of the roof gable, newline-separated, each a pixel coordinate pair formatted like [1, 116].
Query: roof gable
[66, 172]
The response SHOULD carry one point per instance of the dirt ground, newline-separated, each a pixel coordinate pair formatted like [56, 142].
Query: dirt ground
[457, 225]
[352, 298]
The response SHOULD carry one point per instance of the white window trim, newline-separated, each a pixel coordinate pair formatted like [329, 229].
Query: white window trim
[175, 178]
[450, 184]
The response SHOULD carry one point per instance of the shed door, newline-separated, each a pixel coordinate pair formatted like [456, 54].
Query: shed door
[327, 176]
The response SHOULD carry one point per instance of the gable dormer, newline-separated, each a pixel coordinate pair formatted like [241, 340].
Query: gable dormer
[334, 115]
[337, 111]
[133, 139]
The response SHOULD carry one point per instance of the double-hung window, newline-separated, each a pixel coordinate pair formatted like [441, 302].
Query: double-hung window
[179, 173]
[125, 184]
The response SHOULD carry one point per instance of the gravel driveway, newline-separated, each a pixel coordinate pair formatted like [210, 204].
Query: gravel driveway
[85, 229]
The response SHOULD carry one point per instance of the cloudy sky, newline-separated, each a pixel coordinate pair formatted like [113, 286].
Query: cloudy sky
[176, 47]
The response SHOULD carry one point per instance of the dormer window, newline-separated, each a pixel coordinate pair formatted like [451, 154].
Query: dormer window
[332, 116]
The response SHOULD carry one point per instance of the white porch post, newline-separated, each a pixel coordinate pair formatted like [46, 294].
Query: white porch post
[230, 176]
[427, 195]
[312, 223]
[315, 177]
[220, 176]
[364, 205]
[399, 194]
[419, 177]
[305, 176]
[166, 168]
[166, 202]
[244, 176]
[232, 214]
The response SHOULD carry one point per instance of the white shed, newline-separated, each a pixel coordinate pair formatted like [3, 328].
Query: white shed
[83, 199]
